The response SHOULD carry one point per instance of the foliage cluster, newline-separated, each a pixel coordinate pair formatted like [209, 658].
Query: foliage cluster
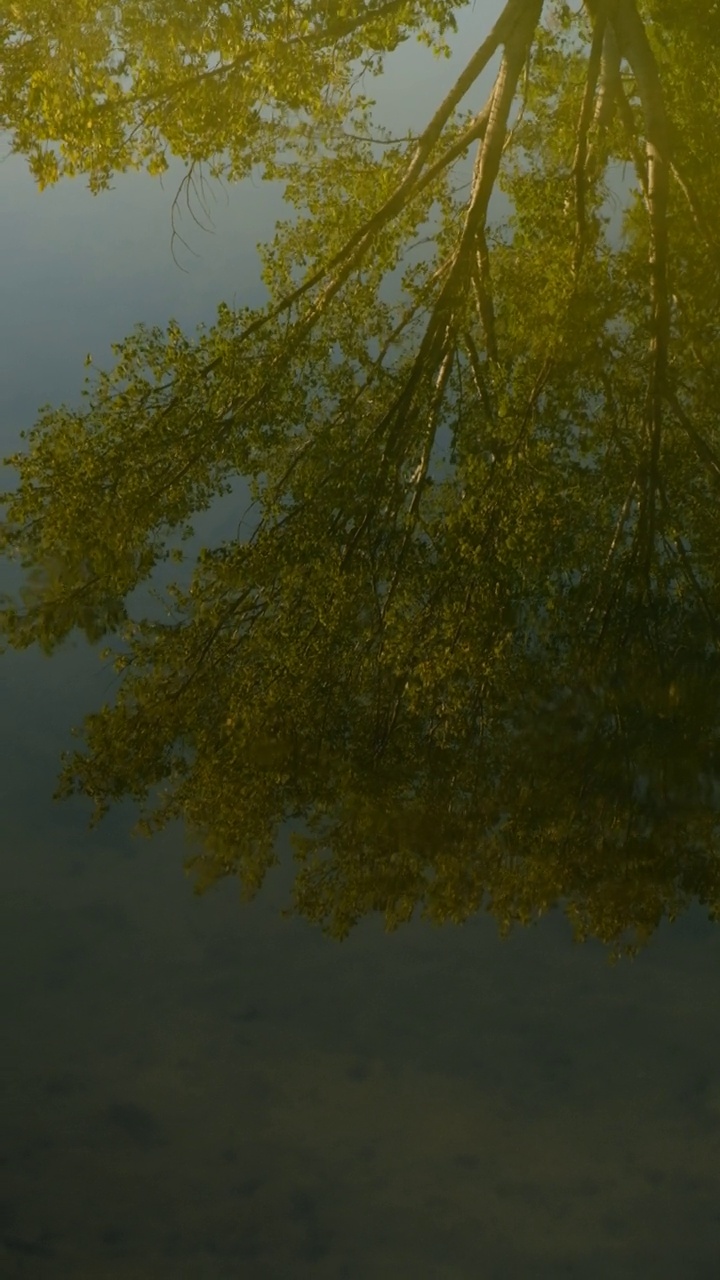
[470, 649]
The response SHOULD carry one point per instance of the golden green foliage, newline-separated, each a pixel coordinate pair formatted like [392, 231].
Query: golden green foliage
[470, 651]
[92, 87]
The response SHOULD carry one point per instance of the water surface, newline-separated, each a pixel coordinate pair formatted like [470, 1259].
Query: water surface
[205, 1090]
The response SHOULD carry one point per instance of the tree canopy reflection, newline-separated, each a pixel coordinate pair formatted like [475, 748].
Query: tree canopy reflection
[470, 650]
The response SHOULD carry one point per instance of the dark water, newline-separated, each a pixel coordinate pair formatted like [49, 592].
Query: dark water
[191, 1088]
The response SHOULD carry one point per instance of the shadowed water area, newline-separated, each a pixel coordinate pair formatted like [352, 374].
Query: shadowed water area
[385, 603]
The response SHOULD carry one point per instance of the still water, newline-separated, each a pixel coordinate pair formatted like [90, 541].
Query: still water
[203, 1089]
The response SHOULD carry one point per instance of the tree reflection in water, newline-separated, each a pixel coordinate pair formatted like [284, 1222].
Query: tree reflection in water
[470, 651]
